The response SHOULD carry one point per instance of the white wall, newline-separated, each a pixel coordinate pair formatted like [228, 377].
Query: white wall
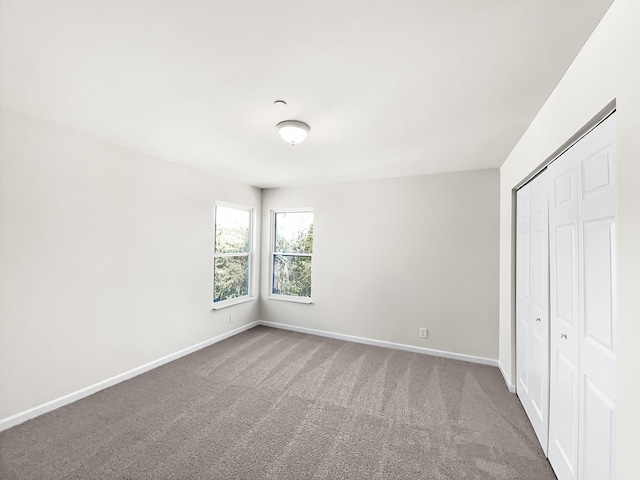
[607, 68]
[391, 256]
[105, 258]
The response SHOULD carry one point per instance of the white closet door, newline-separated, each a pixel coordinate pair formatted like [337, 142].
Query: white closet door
[582, 261]
[540, 308]
[565, 359]
[597, 219]
[532, 304]
[523, 296]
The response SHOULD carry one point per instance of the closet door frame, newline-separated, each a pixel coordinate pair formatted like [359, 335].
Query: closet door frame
[599, 118]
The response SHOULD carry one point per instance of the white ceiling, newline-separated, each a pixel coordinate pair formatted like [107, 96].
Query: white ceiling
[389, 88]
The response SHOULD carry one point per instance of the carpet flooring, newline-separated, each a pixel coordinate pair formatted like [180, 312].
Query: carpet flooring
[273, 404]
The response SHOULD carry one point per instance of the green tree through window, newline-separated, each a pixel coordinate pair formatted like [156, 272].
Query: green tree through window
[232, 253]
[292, 253]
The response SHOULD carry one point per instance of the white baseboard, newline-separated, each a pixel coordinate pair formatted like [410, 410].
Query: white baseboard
[385, 344]
[510, 386]
[21, 417]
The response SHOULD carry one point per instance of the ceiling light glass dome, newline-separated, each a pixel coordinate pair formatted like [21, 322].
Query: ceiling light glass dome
[293, 131]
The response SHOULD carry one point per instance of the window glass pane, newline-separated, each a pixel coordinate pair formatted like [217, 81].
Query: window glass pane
[294, 232]
[232, 230]
[230, 278]
[292, 275]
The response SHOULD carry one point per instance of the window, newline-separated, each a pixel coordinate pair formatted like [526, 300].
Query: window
[232, 254]
[292, 249]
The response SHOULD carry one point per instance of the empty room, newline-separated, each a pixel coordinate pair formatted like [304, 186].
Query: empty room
[319, 240]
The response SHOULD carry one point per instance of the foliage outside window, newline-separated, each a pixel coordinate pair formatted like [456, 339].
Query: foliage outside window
[292, 251]
[232, 253]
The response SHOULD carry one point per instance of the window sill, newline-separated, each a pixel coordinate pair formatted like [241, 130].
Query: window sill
[287, 298]
[233, 301]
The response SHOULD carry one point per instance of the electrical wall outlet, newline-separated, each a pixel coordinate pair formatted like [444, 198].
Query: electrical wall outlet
[232, 317]
[423, 333]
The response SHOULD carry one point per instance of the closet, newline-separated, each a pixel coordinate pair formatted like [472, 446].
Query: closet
[565, 306]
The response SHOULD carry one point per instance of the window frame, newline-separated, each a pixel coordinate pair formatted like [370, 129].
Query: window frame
[272, 253]
[250, 256]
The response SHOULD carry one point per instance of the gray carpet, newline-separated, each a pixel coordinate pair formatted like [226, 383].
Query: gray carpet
[271, 404]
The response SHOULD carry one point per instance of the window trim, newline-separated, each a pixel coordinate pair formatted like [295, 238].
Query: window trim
[272, 252]
[250, 296]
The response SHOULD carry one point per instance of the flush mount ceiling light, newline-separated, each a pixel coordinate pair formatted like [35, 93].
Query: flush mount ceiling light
[293, 131]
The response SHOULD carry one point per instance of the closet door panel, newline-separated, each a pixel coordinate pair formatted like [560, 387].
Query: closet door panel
[582, 222]
[532, 304]
[564, 320]
[539, 316]
[523, 295]
[596, 160]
